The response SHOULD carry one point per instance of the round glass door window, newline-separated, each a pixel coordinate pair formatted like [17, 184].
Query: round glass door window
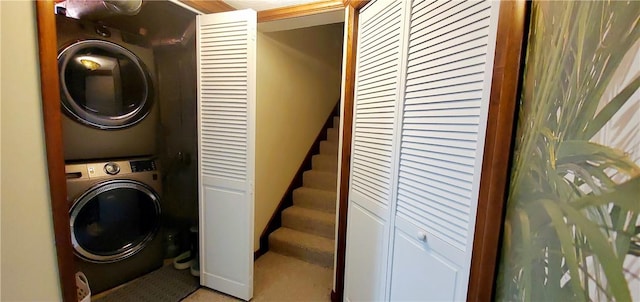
[114, 220]
[104, 85]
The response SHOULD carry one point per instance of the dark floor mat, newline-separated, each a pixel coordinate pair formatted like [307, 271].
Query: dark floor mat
[166, 284]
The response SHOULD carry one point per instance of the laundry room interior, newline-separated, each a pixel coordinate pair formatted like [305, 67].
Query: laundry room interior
[128, 78]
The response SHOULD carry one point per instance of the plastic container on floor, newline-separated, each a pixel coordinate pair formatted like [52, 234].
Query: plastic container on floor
[82, 288]
[183, 261]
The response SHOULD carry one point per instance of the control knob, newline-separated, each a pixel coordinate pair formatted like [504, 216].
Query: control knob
[111, 168]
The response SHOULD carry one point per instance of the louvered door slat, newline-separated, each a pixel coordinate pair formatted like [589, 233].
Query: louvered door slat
[388, 16]
[231, 48]
[376, 157]
[464, 58]
[459, 54]
[418, 72]
[447, 19]
[471, 33]
[408, 150]
[443, 105]
[421, 192]
[439, 91]
[455, 30]
[454, 226]
[382, 79]
[464, 96]
[212, 53]
[431, 78]
[226, 131]
[459, 216]
[378, 43]
[226, 107]
[378, 69]
[415, 182]
[443, 11]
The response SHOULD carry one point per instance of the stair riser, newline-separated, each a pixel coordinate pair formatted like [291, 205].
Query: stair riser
[332, 135]
[323, 181]
[303, 224]
[329, 148]
[324, 163]
[321, 202]
[313, 256]
[336, 122]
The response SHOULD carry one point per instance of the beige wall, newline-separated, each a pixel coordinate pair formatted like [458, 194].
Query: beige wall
[298, 85]
[28, 260]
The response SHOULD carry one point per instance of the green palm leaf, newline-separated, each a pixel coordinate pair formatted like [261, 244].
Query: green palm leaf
[572, 203]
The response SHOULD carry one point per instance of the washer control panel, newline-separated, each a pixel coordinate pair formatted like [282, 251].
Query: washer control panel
[112, 168]
[143, 165]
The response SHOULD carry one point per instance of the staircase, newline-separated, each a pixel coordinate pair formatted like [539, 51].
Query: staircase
[308, 227]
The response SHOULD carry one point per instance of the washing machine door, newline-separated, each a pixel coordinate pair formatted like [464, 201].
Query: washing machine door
[114, 220]
[104, 85]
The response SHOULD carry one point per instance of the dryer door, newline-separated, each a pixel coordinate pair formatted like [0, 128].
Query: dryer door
[104, 85]
[114, 220]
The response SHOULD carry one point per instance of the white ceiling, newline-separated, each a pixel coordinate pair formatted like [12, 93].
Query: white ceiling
[259, 5]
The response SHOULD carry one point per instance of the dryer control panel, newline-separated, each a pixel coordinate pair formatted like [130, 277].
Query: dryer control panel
[143, 165]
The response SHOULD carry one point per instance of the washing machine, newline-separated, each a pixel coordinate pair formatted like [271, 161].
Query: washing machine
[107, 91]
[115, 218]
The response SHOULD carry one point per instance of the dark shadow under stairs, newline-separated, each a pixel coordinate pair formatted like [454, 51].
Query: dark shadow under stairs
[308, 227]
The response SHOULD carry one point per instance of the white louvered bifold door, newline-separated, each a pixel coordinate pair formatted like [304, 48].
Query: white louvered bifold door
[379, 62]
[444, 115]
[226, 56]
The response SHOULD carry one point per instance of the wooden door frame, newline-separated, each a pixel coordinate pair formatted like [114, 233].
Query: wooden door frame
[52, 116]
[498, 143]
[506, 84]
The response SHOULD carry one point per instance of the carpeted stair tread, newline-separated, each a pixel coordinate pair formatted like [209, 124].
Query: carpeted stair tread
[320, 180]
[329, 148]
[309, 221]
[307, 247]
[323, 162]
[332, 135]
[316, 199]
[336, 122]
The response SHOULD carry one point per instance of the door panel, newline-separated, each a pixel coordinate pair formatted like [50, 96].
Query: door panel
[367, 241]
[449, 68]
[227, 267]
[418, 273]
[378, 66]
[226, 54]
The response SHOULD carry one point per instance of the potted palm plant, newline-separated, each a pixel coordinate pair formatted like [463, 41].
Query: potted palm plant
[574, 199]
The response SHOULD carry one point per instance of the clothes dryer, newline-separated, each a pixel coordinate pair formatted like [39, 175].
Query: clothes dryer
[115, 217]
[107, 91]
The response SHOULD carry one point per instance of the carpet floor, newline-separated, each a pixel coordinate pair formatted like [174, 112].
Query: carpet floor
[280, 278]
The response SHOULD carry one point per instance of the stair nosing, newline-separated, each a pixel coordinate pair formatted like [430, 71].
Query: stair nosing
[328, 217]
[304, 188]
[326, 244]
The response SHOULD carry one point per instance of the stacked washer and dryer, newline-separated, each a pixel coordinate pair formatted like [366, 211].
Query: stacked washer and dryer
[109, 133]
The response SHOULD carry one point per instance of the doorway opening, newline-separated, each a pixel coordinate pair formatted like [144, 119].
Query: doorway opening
[174, 53]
